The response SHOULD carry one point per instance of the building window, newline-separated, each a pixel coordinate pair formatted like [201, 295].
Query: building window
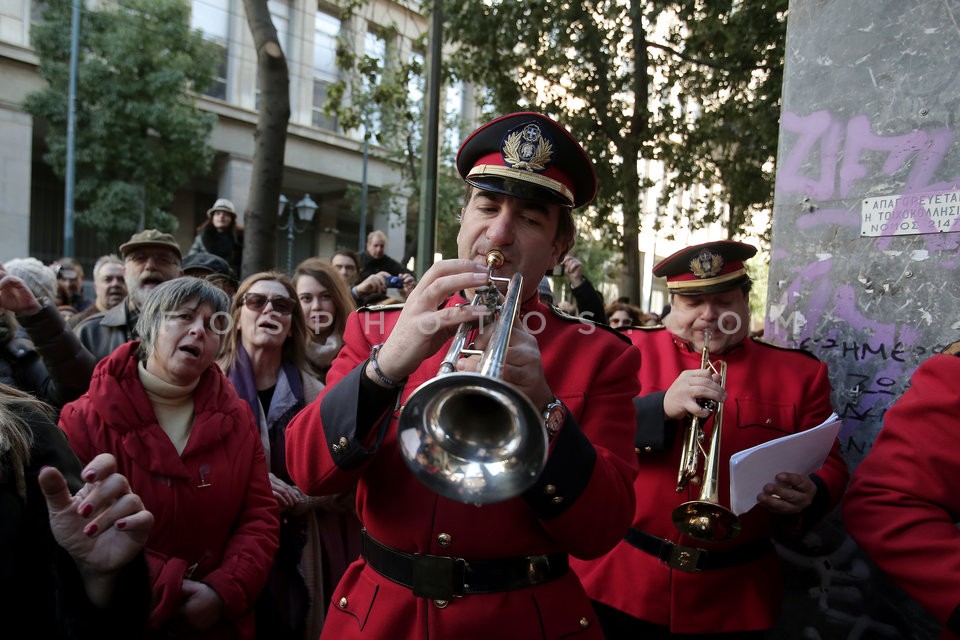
[375, 51]
[416, 95]
[325, 31]
[452, 114]
[212, 17]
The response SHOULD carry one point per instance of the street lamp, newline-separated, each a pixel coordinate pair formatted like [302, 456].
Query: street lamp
[304, 210]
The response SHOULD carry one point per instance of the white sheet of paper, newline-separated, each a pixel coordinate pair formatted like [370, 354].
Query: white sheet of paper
[802, 453]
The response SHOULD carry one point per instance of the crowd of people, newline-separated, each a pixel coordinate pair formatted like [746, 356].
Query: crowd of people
[234, 460]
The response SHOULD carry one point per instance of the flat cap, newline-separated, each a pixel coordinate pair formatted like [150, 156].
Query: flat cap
[207, 263]
[711, 267]
[150, 238]
[528, 155]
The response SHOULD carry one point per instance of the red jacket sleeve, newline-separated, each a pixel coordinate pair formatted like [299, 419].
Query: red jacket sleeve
[249, 553]
[904, 500]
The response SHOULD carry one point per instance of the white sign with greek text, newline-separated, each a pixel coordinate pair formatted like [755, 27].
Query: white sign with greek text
[910, 214]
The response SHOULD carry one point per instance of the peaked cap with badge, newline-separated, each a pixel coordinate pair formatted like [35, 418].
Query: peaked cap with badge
[711, 267]
[528, 155]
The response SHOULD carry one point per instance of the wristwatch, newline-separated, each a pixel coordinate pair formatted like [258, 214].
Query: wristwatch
[553, 417]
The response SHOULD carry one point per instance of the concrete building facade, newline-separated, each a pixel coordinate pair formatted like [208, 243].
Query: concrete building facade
[321, 160]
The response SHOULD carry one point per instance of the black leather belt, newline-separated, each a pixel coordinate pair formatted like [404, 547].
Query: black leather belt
[443, 577]
[693, 559]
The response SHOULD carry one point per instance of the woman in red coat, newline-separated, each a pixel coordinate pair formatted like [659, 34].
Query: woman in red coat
[904, 500]
[189, 447]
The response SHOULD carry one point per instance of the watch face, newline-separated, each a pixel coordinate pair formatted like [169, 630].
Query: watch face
[553, 416]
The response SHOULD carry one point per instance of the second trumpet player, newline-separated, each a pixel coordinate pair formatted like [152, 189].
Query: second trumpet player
[687, 565]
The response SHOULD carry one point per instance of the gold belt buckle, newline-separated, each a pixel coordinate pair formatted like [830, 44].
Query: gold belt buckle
[685, 558]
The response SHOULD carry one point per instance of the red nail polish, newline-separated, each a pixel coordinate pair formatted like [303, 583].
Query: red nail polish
[90, 475]
[86, 509]
[90, 529]
[121, 524]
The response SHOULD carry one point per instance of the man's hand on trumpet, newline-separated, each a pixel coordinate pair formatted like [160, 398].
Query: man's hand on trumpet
[522, 364]
[687, 394]
[423, 328]
[789, 493]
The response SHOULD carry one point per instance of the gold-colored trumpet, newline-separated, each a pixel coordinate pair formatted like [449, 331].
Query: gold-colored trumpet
[704, 518]
[473, 437]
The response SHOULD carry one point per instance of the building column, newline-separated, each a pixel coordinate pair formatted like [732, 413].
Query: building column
[16, 134]
[235, 183]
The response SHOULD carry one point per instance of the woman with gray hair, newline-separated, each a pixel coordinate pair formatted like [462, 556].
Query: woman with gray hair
[190, 449]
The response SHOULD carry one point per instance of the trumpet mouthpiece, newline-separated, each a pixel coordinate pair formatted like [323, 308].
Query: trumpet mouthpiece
[494, 259]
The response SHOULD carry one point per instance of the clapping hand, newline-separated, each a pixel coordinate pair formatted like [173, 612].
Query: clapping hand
[16, 296]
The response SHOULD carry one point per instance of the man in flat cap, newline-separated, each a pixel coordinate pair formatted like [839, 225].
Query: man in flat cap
[150, 257]
[711, 576]
[476, 546]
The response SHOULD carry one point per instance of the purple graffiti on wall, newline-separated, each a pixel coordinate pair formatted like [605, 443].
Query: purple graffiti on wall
[828, 160]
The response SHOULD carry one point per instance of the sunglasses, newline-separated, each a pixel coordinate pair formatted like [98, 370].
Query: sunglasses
[257, 301]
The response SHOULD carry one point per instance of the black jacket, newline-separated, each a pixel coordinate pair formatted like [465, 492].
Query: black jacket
[45, 359]
[43, 596]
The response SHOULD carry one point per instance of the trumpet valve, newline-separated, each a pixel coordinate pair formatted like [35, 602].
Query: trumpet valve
[709, 405]
[495, 259]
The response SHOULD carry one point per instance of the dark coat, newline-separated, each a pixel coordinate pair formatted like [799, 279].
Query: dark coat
[43, 595]
[45, 359]
[227, 244]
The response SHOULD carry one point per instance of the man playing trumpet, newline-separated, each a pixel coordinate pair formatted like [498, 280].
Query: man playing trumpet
[433, 566]
[662, 583]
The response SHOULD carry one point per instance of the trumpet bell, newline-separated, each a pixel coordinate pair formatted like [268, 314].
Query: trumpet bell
[472, 438]
[705, 520]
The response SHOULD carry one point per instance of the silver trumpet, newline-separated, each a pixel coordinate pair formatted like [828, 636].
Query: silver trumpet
[473, 437]
[705, 518]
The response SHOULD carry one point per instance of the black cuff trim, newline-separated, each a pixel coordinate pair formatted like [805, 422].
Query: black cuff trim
[567, 473]
[654, 432]
[350, 412]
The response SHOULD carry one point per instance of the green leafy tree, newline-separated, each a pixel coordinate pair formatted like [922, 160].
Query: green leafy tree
[726, 65]
[139, 135]
[628, 90]
[381, 98]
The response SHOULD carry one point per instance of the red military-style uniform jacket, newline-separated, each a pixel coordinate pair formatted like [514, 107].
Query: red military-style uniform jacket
[904, 500]
[771, 392]
[581, 504]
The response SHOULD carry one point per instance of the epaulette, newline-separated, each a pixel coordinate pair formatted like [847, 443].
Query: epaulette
[381, 307]
[953, 349]
[569, 318]
[647, 327]
[772, 345]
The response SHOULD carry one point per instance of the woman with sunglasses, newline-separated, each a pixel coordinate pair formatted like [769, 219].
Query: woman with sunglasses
[264, 359]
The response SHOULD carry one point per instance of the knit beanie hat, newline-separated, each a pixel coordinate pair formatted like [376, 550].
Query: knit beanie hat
[38, 277]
